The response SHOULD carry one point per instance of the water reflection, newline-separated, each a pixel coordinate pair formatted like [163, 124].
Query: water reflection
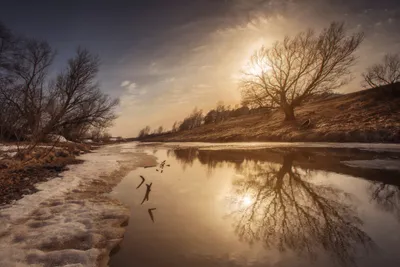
[387, 197]
[148, 190]
[185, 156]
[289, 211]
[150, 211]
[276, 199]
[141, 177]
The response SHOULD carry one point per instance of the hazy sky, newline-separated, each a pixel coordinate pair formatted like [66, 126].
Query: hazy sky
[163, 57]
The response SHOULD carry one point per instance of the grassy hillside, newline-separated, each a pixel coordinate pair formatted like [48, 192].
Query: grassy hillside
[371, 115]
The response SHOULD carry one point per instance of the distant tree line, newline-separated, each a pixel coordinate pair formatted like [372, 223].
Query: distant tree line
[196, 119]
[34, 104]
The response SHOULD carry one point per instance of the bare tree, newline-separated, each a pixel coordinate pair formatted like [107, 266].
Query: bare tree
[9, 117]
[195, 119]
[30, 72]
[24, 64]
[144, 132]
[31, 106]
[7, 53]
[298, 67]
[75, 99]
[175, 127]
[386, 72]
[160, 130]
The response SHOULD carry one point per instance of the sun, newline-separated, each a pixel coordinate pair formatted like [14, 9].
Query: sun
[256, 69]
[246, 201]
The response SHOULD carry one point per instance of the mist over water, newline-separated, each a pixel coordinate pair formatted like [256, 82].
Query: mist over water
[261, 207]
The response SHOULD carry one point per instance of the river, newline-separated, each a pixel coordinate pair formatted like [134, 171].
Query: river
[262, 205]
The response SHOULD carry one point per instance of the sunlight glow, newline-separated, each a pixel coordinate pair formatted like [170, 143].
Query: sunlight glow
[246, 201]
[239, 202]
[256, 70]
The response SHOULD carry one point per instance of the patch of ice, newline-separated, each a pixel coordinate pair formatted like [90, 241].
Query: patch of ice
[379, 147]
[68, 222]
[380, 164]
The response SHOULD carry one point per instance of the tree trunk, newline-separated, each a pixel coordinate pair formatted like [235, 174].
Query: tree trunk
[289, 113]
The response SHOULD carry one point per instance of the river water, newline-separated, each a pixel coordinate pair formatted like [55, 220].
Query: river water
[280, 206]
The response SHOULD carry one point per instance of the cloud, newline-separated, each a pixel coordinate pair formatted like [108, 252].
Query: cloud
[170, 80]
[199, 48]
[202, 86]
[132, 86]
[125, 83]
[204, 67]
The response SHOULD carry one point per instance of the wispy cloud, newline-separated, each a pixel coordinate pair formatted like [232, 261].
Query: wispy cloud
[202, 85]
[132, 86]
[125, 83]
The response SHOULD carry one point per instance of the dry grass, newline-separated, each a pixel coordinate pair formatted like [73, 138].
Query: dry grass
[20, 173]
[366, 116]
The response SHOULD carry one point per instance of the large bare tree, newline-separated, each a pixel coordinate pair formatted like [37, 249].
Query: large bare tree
[386, 72]
[8, 115]
[298, 67]
[75, 100]
[33, 105]
[30, 71]
[23, 70]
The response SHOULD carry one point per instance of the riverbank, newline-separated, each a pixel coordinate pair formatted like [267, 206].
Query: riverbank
[70, 220]
[370, 116]
[21, 167]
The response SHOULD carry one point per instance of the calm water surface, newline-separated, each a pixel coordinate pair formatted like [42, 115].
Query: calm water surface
[267, 207]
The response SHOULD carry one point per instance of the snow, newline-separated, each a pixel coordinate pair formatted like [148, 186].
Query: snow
[57, 138]
[8, 151]
[386, 164]
[68, 222]
[7, 155]
[4, 148]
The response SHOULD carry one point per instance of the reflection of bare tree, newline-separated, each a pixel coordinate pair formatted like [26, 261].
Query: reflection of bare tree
[185, 156]
[387, 196]
[211, 159]
[290, 211]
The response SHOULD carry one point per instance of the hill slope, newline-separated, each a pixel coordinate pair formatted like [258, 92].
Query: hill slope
[371, 115]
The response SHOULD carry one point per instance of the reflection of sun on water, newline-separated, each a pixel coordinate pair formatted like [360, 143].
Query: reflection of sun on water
[239, 202]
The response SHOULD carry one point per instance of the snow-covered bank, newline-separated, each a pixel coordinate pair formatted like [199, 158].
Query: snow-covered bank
[70, 221]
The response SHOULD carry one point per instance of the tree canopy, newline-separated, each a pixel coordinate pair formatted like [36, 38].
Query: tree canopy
[298, 67]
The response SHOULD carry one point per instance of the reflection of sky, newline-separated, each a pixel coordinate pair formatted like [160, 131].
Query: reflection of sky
[194, 215]
[164, 57]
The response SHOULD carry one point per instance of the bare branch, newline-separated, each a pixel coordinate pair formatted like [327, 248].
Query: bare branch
[386, 72]
[298, 67]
